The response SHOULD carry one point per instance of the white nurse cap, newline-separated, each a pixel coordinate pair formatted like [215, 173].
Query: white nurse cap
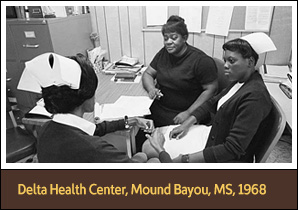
[260, 42]
[40, 73]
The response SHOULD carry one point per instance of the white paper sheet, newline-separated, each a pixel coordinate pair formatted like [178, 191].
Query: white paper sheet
[131, 106]
[156, 16]
[258, 18]
[194, 141]
[219, 19]
[192, 17]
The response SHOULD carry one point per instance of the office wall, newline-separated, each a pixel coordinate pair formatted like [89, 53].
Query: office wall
[122, 32]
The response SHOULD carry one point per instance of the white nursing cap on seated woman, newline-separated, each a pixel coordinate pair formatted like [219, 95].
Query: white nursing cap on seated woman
[50, 69]
[260, 42]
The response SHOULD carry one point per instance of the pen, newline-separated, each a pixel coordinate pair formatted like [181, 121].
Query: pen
[158, 95]
[289, 76]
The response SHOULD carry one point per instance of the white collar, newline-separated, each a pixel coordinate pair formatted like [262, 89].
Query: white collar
[75, 121]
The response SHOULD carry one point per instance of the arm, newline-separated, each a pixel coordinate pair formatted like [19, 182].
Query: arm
[209, 90]
[108, 127]
[148, 80]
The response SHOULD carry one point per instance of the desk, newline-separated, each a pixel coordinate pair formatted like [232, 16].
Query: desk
[282, 99]
[108, 92]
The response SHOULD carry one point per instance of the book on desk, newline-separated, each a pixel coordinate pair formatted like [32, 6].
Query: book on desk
[125, 67]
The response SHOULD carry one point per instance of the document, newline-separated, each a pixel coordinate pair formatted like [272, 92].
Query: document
[132, 106]
[156, 15]
[194, 141]
[192, 16]
[274, 73]
[219, 19]
[38, 111]
[258, 18]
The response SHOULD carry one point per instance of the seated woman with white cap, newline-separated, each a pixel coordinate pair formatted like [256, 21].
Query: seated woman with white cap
[239, 114]
[68, 86]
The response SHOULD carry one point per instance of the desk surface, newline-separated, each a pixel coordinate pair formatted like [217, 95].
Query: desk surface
[107, 92]
[282, 99]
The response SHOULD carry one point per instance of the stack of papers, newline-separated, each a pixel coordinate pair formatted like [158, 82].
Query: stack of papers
[131, 106]
[274, 73]
[124, 65]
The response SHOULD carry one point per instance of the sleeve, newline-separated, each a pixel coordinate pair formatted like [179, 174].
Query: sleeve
[164, 157]
[206, 70]
[109, 153]
[108, 127]
[253, 109]
[207, 109]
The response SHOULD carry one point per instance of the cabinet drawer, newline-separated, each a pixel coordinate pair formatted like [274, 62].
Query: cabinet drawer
[31, 40]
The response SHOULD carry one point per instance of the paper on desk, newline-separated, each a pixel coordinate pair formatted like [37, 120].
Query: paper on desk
[275, 71]
[132, 106]
[40, 110]
[194, 141]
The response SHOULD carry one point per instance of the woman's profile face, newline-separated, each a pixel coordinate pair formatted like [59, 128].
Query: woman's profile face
[236, 67]
[174, 43]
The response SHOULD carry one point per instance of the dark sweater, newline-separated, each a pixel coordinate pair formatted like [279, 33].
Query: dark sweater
[238, 125]
[59, 143]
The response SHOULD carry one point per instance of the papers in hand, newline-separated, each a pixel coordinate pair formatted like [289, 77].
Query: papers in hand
[132, 106]
[194, 141]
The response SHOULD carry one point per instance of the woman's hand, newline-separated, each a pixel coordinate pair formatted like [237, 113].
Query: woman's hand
[157, 140]
[179, 132]
[142, 123]
[181, 117]
[155, 93]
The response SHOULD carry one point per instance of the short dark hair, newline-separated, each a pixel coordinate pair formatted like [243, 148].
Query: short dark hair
[175, 24]
[243, 47]
[63, 99]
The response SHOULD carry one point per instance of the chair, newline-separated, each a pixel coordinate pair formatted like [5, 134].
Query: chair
[277, 126]
[223, 80]
[20, 144]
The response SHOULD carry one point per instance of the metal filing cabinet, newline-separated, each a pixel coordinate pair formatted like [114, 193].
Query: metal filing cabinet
[28, 38]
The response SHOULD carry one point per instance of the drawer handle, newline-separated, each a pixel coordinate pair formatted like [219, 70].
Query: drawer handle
[31, 45]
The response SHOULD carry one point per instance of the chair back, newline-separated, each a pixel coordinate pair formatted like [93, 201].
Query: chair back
[277, 126]
[223, 80]
[20, 144]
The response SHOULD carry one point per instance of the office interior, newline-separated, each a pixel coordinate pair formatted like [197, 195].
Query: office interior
[123, 30]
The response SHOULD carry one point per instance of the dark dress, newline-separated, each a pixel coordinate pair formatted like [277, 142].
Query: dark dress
[180, 80]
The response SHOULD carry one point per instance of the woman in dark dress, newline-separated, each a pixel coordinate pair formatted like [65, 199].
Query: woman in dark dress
[185, 76]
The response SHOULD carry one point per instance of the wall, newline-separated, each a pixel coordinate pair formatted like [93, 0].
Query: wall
[121, 31]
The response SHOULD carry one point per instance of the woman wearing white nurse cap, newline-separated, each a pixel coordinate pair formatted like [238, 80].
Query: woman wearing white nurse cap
[68, 86]
[50, 69]
[260, 42]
